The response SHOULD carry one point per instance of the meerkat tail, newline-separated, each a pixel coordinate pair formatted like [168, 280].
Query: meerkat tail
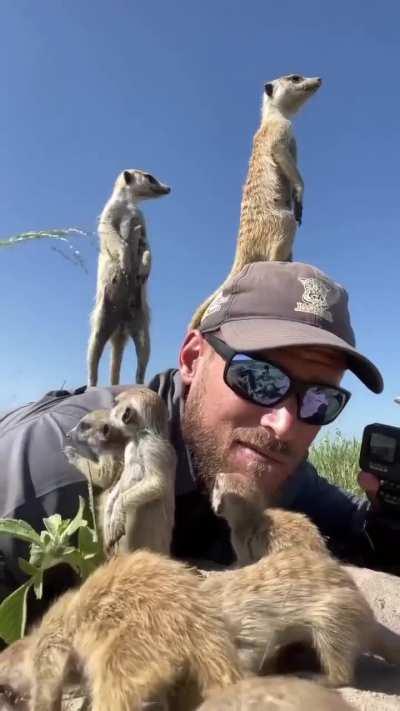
[198, 315]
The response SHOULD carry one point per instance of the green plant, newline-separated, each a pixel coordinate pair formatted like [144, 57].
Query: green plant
[336, 458]
[47, 549]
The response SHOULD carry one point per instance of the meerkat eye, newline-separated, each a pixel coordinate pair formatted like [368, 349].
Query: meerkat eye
[269, 89]
[106, 430]
[150, 178]
[295, 78]
[129, 178]
[84, 426]
[127, 415]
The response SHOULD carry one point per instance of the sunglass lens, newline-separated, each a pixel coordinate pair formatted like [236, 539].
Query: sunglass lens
[261, 382]
[321, 405]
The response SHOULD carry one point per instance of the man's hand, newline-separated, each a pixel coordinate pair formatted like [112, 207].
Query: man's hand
[370, 483]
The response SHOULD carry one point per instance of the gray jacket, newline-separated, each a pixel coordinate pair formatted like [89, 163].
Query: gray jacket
[36, 481]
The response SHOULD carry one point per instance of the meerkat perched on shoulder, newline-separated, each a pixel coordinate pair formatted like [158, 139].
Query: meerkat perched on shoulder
[141, 506]
[257, 531]
[275, 693]
[304, 597]
[121, 308]
[272, 199]
[138, 626]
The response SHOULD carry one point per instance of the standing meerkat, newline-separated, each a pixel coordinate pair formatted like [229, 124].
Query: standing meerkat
[275, 693]
[299, 596]
[126, 454]
[96, 448]
[121, 309]
[139, 625]
[141, 506]
[272, 200]
[255, 530]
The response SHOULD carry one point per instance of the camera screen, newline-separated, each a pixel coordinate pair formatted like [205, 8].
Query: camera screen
[383, 447]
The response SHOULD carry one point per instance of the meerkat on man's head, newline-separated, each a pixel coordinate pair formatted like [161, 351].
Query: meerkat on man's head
[275, 693]
[272, 200]
[256, 530]
[138, 626]
[299, 596]
[141, 506]
[121, 309]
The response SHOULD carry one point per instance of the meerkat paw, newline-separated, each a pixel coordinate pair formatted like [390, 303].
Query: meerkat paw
[71, 454]
[115, 531]
[298, 211]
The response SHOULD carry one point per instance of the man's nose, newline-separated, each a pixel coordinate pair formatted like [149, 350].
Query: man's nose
[281, 418]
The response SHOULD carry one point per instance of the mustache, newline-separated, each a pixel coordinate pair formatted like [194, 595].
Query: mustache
[262, 438]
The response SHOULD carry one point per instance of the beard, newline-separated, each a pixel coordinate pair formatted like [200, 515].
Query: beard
[213, 451]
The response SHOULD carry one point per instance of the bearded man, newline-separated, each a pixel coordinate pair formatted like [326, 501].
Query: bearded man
[254, 387]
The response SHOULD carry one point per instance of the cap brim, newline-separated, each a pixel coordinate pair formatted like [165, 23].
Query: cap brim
[260, 334]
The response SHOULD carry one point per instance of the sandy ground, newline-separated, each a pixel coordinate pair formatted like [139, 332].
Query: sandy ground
[377, 686]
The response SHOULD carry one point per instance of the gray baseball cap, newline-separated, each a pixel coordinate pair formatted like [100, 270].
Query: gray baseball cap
[277, 304]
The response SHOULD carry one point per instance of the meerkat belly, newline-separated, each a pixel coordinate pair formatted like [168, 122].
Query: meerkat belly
[152, 528]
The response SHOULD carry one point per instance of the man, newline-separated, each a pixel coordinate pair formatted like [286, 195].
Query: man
[253, 388]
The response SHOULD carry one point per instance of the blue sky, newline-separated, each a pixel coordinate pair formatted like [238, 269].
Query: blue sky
[91, 88]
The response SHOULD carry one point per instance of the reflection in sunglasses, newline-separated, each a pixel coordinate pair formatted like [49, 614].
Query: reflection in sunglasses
[314, 402]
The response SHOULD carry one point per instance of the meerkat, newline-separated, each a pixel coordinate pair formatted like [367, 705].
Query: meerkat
[134, 485]
[15, 683]
[141, 506]
[304, 597]
[257, 531]
[272, 201]
[138, 625]
[275, 693]
[17, 669]
[96, 447]
[121, 309]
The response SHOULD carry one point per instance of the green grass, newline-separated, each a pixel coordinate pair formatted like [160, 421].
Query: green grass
[336, 458]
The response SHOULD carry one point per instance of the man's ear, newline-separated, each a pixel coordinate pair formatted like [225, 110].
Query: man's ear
[192, 349]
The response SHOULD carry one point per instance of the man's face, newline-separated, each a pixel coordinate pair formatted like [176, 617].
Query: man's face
[227, 433]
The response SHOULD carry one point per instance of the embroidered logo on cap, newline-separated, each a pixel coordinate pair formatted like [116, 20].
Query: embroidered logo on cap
[318, 296]
[216, 305]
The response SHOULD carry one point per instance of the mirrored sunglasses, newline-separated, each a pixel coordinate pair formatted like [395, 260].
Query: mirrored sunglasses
[264, 383]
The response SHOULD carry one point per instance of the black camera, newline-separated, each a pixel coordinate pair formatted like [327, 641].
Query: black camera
[380, 455]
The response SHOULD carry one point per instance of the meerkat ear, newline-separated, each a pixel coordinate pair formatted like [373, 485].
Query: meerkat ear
[106, 431]
[269, 89]
[128, 177]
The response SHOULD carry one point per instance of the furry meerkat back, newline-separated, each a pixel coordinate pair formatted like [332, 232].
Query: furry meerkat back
[272, 200]
[121, 309]
[137, 627]
[299, 596]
